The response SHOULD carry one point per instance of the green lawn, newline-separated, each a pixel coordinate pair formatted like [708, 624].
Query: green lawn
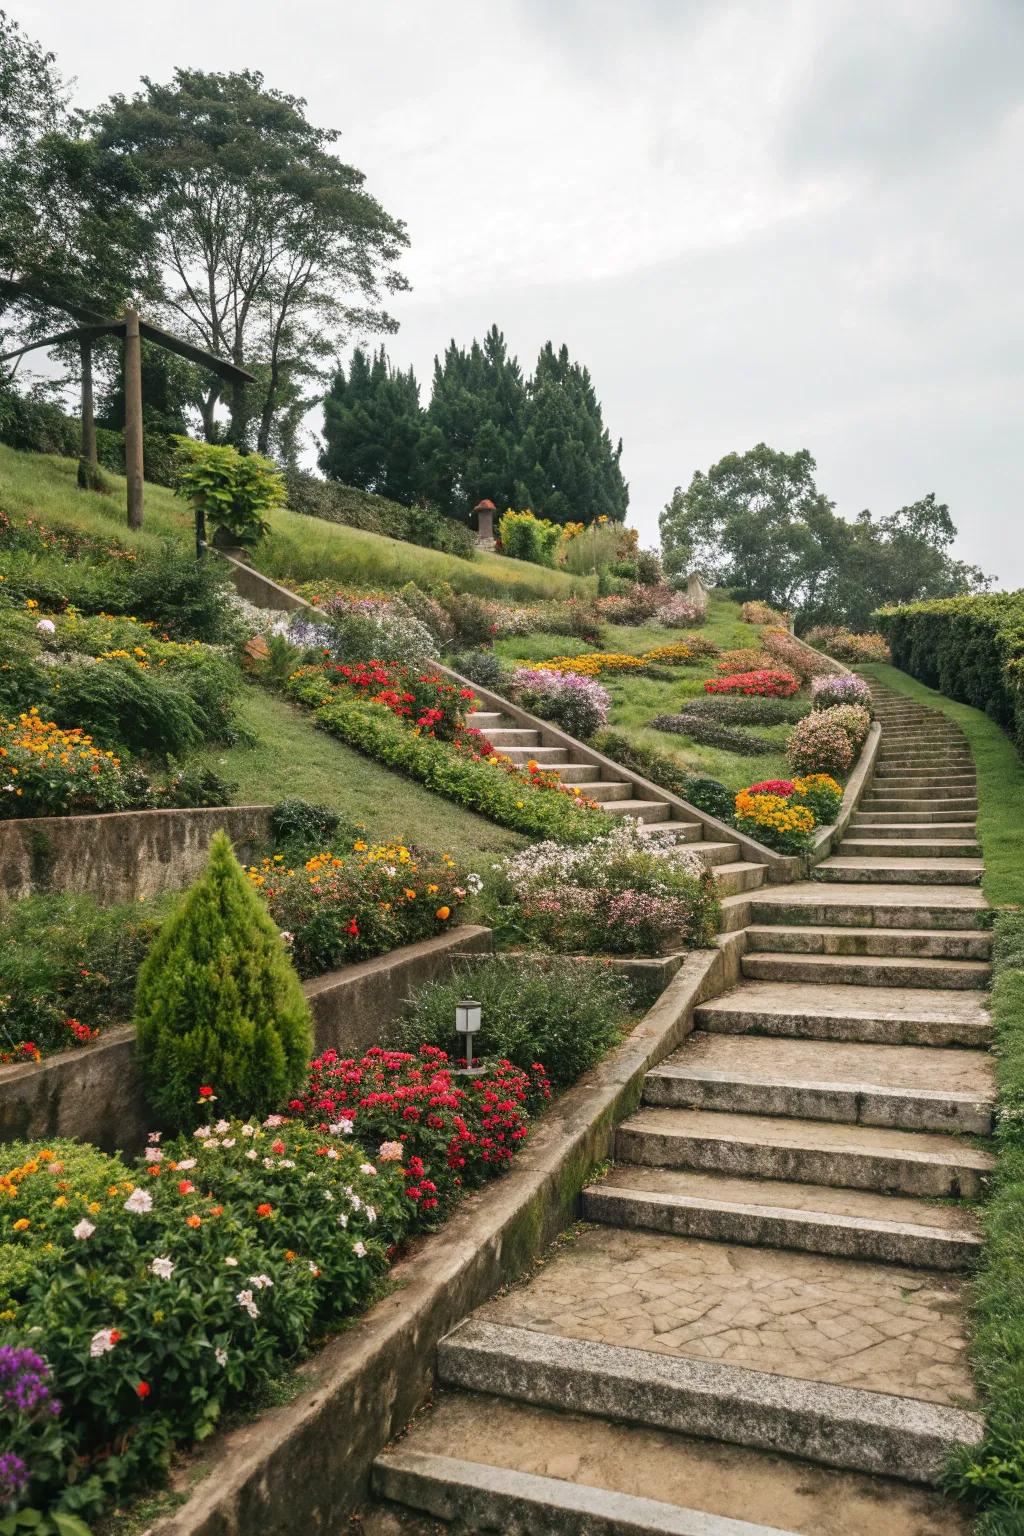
[1000, 785]
[290, 757]
[297, 549]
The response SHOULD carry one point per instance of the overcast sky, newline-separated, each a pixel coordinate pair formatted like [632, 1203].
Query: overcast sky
[797, 221]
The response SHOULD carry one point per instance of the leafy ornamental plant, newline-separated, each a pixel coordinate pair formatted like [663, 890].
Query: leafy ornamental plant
[227, 489]
[219, 1005]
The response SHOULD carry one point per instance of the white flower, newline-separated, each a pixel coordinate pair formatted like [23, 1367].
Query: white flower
[268, 1162]
[273, 1120]
[474, 883]
[390, 1151]
[342, 1128]
[101, 1342]
[355, 1202]
[153, 1154]
[342, 1220]
[288, 939]
[228, 1141]
[252, 1154]
[202, 1131]
[139, 1201]
[314, 1269]
[162, 1268]
[245, 1301]
[186, 1163]
[83, 1230]
[221, 1127]
[332, 1155]
[327, 1195]
[261, 1282]
[367, 1168]
[289, 1162]
[221, 1356]
[154, 1137]
[46, 627]
[231, 1261]
[371, 1214]
[248, 1130]
[210, 1143]
[359, 1249]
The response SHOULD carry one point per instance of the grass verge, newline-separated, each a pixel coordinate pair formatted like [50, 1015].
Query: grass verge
[285, 755]
[1000, 784]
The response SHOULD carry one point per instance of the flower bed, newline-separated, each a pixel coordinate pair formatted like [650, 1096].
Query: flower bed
[596, 663]
[767, 682]
[844, 645]
[426, 700]
[782, 813]
[334, 909]
[842, 689]
[827, 740]
[576, 703]
[618, 895]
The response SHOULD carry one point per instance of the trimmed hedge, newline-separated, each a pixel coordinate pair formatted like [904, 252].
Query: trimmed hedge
[969, 648]
[708, 733]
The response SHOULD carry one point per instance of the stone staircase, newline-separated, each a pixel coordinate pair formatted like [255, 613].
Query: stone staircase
[761, 1326]
[733, 873]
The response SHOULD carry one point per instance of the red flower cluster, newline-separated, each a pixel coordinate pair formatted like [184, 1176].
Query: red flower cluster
[772, 787]
[769, 682]
[80, 1034]
[431, 703]
[454, 1132]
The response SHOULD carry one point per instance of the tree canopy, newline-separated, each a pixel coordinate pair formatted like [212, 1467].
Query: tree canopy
[756, 521]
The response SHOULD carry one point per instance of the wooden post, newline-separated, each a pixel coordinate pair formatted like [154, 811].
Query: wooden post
[88, 420]
[133, 464]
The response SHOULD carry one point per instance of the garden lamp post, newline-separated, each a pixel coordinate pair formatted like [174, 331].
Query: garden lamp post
[467, 1023]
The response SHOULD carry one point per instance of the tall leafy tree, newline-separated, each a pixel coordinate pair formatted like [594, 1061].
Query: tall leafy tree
[373, 428]
[271, 248]
[568, 469]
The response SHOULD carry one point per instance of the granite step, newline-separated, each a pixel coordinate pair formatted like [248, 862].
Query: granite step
[734, 879]
[886, 1160]
[545, 756]
[934, 818]
[844, 867]
[728, 1487]
[879, 906]
[812, 1218]
[601, 789]
[860, 847]
[837, 1426]
[643, 810]
[879, 1015]
[577, 773]
[827, 970]
[867, 826]
[513, 736]
[823, 939]
[911, 1088]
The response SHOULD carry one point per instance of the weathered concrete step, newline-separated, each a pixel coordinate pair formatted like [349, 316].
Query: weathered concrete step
[513, 736]
[947, 783]
[545, 756]
[940, 819]
[828, 970]
[807, 1151]
[601, 789]
[879, 1015]
[720, 1480]
[881, 906]
[901, 871]
[868, 825]
[732, 879]
[577, 773]
[810, 1218]
[642, 810]
[483, 719]
[717, 855]
[911, 1088]
[931, 943]
[484, 1497]
[917, 800]
[839, 1426]
[857, 846]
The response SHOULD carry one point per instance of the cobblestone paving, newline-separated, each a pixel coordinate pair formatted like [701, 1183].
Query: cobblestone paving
[856, 1324]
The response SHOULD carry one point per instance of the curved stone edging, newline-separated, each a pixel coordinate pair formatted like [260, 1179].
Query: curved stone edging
[306, 1465]
[95, 1092]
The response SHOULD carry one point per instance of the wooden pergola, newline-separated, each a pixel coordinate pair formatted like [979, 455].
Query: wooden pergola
[133, 330]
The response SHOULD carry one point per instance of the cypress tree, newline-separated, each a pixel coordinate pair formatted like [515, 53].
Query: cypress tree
[373, 428]
[219, 1003]
[567, 459]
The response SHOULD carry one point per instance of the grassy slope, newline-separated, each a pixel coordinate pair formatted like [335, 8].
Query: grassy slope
[299, 548]
[635, 700]
[1000, 785]
[289, 756]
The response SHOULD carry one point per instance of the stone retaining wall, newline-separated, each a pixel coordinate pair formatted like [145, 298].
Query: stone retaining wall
[95, 1093]
[122, 856]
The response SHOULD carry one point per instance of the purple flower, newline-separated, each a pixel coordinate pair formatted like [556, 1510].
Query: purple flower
[13, 1476]
[24, 1381]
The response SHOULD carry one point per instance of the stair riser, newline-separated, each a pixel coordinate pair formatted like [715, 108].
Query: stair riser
[841, 1105]
[929, 806]
[865, 827]
[835, 1027]
[577, 773]
[650, 811]
[953, 977]
[732, 882]
[868, 915]
[881, 848]
[604, 791]
[844, 1237]
[927, 821]
[838, 1168]
[892, 875]
[871, 942]
[505, 738]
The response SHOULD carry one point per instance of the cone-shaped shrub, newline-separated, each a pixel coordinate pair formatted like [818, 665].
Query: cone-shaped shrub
[219, 1004]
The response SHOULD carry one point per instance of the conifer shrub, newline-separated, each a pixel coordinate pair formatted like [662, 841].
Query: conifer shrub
[219, 1005]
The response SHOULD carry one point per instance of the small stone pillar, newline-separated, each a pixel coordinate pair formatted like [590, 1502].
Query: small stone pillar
[484, 513]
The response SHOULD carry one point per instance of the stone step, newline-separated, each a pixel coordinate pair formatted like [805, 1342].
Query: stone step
[838, 1426]
[940, 800]
[716, 854]
[643, 810]
[577, 773]
[545, 756]
[922, 1163]
[484, 719]
[846, 868]
[916, 818]
[483, 1497]
[907, 1087]
[732, 879]
[878, 1015]
[513, 736]
[946, 783]
[601, 789]
[866, 825]
[929, 806]
[923, 943]
[881, 906]
[724, 1482]
[939, 847]
[827, 970]
[812, 1218]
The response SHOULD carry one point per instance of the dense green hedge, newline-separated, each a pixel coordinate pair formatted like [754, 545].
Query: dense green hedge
[969, 648]
[336, 503]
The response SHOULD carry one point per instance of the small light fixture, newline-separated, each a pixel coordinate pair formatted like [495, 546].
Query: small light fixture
[467, 1023]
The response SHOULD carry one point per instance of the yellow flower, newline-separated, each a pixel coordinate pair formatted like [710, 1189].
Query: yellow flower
[22, 1224]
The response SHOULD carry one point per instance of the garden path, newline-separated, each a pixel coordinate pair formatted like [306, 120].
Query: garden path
[761, 1326]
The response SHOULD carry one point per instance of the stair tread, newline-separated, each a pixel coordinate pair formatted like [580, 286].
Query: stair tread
[923, 1004]
[819, 1135]
[878, 963]
[884, 1068]
[834, 930]
[788, 1195]
[847, 861]
[882, 894]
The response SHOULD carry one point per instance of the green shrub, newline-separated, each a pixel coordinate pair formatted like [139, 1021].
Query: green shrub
[336, 503]
[22, 682]
[709, 733]
[663, 769]
[123, 706]
[483, 668]
[231, 491]
[219, 1003]
[746, 709]
[304, 824]
[183, 597]
[969, 648]
[595, 549]
[526, 537]
[191, 788]
[564, 1013]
